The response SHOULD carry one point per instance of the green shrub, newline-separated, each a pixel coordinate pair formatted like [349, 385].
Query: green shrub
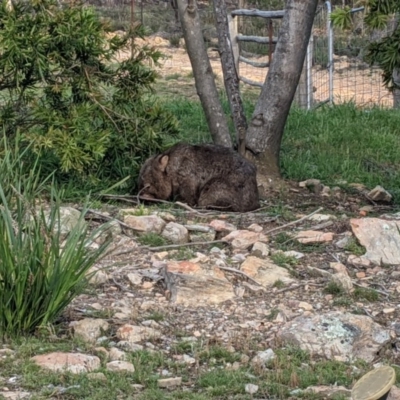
[40, 272]
[88, 115]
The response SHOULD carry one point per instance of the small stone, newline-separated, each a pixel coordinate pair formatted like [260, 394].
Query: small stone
[160, 256]
[326, 191]
[262, 357]
[116, 354]
[188, 360]
[169, 382]
[314, 185]
[311, 237]
[135, 279]
[292, 253]
[360, 275]
[97, 276]
[250, 388]
[147, 285]
[320, 217]
[14, 395]
[306, 306]
[75, 363]
[145, 223]
[97, 376]
[255, 228]
[136, 334]
[358, 261]
[123, 366]
[378, 193]
[222, 226]
[260, 249]
[89, 329]
[175, 233]
[389, 310]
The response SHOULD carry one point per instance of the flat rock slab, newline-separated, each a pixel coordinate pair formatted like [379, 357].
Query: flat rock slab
[334, 335]
[380, 237]
[194, 285]
[72, 362]
[264, 271]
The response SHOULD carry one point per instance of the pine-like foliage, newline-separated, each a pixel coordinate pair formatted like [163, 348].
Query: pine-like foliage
[62, 87]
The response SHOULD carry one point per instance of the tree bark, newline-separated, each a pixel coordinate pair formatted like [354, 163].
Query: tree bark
[265, 132]
[203, 74]
[396, 90]
[231, 78]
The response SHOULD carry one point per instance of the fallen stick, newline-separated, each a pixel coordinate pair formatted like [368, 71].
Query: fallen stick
[238, 271]
[294, 222]
[176, 246]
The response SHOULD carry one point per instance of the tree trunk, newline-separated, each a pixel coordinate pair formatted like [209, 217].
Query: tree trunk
[396, 90]
[231, 78]
[203, 74]
[265, 132]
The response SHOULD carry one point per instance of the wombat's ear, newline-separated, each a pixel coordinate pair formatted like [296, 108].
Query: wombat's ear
[163, 162]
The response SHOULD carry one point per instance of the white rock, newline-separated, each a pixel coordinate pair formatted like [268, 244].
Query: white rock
[145, 223]
[89, 329]
[72, 362]
[175, 233]
[120, 366]
[169, 382]
[262, 357]
[250, 388]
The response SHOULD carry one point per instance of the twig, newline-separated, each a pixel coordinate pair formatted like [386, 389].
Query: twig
[107, 218]
[291, 288]
[176, 246]
[238, 271]
[376, 290]
[294, 222]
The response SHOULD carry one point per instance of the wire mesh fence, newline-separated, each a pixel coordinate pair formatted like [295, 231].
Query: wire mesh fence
[336, 69]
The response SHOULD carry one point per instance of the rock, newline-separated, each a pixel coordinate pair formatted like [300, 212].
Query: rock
[394, 393]
[250, 388]
[255, 228]
[329, 392]
[344, 241]
[75, 363]
[295, 254]
[166, 216]
[129, 346]
[4, 353]
[195, 285]
[381, 238]
[145, 223]
[69, 219]
[341, 277]
[262, 357]
[222, 226]
[134, 334]
[169, 382]
[109, 230]
[260, 250]
[116, 354]
[89, 329]
[342, 336]
[378, 193]
[321, 217]
[358, 261]
[326, 191]
[135, 278]
[97, 376]
[188, 360]
[14, 395]
[175, 233]
[265, 272]
[120, 366]
[305, 306]
[97, 276]
[243, 239]
[314, 185]
[312, 237]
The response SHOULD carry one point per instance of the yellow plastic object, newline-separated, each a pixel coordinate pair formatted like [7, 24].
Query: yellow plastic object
[374, 385]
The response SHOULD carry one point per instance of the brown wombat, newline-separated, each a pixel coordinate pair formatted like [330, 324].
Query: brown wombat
[204, 175]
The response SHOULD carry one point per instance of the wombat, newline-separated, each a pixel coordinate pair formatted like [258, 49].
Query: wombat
[204, 175]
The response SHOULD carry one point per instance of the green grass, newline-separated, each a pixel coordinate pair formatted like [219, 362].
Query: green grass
[291, 369]
[330, 143]
[151, 239]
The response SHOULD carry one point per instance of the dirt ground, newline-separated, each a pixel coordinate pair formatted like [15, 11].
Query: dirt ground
[352, 81]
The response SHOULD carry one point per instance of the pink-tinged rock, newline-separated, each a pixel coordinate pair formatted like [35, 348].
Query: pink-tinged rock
[380, 237]
[194, 285]
[243, 239]
[73, 362]
[265, 272]
[311, 237]
[222, 226]
[120, 366]
[145, 223]
[255, 228]
[134, 334]
[358, 261]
